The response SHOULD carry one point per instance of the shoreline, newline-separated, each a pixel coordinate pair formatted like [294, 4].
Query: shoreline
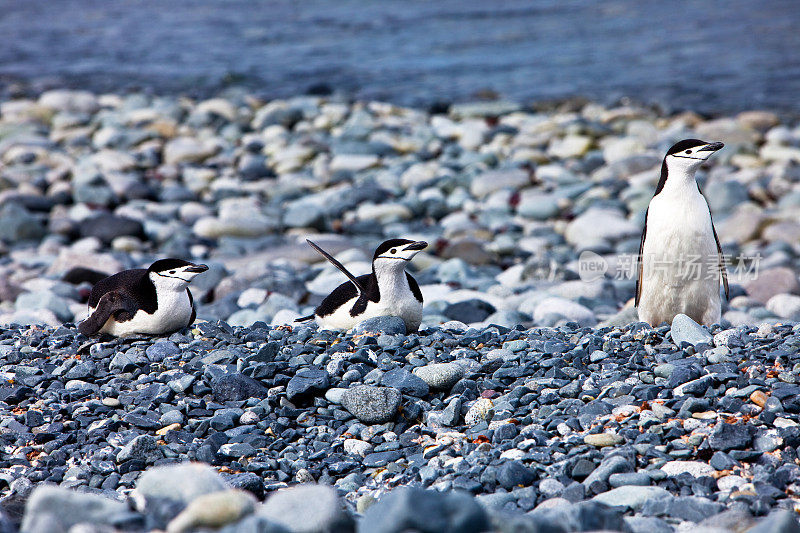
[13, 87]
[529, 388]
[510, 199]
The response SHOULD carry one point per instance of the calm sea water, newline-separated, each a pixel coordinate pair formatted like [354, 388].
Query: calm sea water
[712, 56]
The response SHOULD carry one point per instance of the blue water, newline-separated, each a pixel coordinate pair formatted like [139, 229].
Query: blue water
[711, 56]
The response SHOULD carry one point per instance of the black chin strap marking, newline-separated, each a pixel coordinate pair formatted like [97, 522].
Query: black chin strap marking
[687, 157]
[385, 257]
[173, 277]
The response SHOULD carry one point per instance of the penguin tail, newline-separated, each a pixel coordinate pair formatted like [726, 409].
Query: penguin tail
[304, 318]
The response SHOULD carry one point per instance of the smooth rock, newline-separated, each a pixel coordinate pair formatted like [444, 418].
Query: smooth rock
[569, 146]
[469, 311]
[307, 508]
[538, 206]
[603, 439]
[729, 437]
[630, 496]
[772, 281]
[695, 468]
[406, 382]
[568, 309]
[44, 299]
[580, 516]
[187, 150]
[357, 447]
[495, 180]
[778, 521]
[389, 325]
[68, 508]
[440, 376]
[629, 478]
[597, 226]
[414, 509]
[237, 387]
[691, 508]
[160, 350]
[684, 329]
[213, 510]
[514, 474]
[649, 524]
[785, 306]
[371, 404]
[107, 227]
[182, 482]
[307, 383]
[17, 224]
[142, 448]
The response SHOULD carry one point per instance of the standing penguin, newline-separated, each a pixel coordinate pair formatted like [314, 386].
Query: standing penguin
[153, 301]
[680, 259]
[387, 291]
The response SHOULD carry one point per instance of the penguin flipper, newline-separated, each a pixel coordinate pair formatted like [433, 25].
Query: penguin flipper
[414, 286]
[111, 304]
[641, 262]
[338, 265]
[194, 310]
[722, 268]
[304, 318]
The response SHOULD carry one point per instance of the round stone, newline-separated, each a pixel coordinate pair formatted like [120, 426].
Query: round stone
[603, 439]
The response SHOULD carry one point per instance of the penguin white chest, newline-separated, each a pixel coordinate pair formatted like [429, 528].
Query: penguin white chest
[173, 313]
[402, 304]
[680, 264]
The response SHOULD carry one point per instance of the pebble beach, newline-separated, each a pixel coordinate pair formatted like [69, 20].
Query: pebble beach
[530, 400]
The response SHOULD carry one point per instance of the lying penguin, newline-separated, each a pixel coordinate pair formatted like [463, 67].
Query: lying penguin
[387, 291]
[153, 301]
[680, 259]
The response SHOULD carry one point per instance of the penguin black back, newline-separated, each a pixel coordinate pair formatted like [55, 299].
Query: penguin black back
[135, 284]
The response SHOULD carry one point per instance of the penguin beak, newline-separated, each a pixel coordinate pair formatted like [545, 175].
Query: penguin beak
[711, 147]
[416, 246]
[196, 269]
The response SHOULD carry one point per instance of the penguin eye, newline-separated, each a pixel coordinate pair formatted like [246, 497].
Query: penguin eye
[171, 271]
[688, 151]
[393, 251]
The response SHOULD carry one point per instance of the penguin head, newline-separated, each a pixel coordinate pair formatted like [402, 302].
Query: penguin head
[174, 274]
[395, 253]
[687, 155]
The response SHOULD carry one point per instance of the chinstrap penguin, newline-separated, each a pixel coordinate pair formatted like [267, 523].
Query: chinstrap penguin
[387, 290]
[680, 259]
[153, 301]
